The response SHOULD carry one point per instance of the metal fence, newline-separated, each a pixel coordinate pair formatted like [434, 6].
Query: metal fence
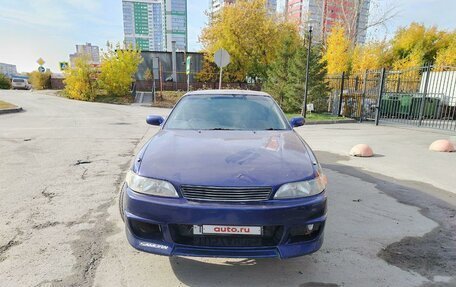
[423, 96]
[143, 85]
[356, 95]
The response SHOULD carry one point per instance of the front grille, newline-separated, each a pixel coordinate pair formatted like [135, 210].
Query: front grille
[231, 194]
[183, 234]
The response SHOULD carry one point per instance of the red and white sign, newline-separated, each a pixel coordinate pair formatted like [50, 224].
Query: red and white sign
[223, 229]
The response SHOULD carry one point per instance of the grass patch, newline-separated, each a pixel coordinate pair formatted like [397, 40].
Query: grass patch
[167, 99]
[125, 100]
[6, 105]
[313, 117]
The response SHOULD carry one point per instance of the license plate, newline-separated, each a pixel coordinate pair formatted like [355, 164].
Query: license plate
[226, 230]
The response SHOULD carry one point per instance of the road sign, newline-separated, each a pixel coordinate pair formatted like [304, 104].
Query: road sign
[41, 69]
[40, 61]
[187, 71]
[63, 66]
[310, 107]
[188, 65]
[222, 58]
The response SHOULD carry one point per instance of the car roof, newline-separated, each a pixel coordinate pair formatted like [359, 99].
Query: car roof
[227, 92]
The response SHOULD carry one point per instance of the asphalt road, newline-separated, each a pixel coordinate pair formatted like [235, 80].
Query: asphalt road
[61, 166]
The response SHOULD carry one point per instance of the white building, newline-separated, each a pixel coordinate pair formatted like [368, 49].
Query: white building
[8, 69]
[151, 25]
[88, 50]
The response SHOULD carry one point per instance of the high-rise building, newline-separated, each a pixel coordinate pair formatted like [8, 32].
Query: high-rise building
[307, 13]
[216, 5]
[322, 15]
[88, 50]
[8, 69]
[176, 24]
[152, 25]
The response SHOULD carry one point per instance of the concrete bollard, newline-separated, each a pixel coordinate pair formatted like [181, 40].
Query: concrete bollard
[442, 146]
[361, 150]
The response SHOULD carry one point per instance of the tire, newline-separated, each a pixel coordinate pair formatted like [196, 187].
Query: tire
[121, 210]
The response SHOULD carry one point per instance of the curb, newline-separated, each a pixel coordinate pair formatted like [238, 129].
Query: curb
[11, 110]
[330, 122]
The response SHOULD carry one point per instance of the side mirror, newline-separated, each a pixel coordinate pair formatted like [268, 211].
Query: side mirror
[155, 120]
[297, 121]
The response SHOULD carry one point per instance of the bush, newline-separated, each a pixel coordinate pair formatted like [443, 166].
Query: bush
[40, 81]
[118, 68]
[110, 83]
[80, 81]
[5, 83]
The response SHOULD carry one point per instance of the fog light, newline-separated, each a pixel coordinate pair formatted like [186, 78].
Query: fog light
[145, 230]
[304, 232]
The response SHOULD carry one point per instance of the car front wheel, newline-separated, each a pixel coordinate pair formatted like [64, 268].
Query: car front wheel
[121, 210]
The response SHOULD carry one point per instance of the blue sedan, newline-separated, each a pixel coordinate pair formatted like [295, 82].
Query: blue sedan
[226, 176]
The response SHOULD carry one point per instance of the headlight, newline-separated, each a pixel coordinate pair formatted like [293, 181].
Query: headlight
[150, 186]
[303, 188]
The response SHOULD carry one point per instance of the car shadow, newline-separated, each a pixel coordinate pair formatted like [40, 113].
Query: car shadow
[244, 272]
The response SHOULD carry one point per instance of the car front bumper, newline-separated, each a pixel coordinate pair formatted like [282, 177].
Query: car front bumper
[174, 218]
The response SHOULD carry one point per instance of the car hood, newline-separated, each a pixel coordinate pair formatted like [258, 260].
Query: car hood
[227, 158]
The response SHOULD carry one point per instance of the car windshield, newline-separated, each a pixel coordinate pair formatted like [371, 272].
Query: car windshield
[226, 112]
[18, 80]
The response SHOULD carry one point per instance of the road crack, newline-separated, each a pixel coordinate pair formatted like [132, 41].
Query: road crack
[4, 248]
[81, 162]
[91, 245]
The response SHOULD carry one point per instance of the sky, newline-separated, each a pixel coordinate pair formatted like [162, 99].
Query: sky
[50, 29]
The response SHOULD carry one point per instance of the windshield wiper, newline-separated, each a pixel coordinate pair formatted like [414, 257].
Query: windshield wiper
[221, 129]
[273, 129]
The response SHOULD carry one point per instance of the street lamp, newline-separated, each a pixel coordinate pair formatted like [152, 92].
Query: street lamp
[306, 85]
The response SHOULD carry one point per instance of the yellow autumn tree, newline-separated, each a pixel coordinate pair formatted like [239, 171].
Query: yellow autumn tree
[80, 83]
[338, 51]
[416, 45]
[117, 70]
[447, 55]
[370, 56]
[249, 33]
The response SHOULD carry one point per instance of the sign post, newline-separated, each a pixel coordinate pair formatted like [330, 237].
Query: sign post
[222, 59]
[63, 66]
[187, 71]
[41, 62]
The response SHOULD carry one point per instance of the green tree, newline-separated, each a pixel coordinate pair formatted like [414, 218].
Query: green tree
[318, 87]
[286, 77]
[278, 77]
[117, 69]
[80, 80]
[5, 82]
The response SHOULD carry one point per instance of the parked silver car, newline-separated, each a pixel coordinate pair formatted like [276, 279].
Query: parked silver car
[22, 84]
